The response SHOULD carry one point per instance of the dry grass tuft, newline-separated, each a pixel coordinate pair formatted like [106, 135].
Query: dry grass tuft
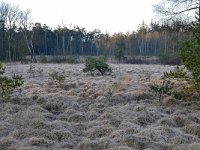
[63, 135]
[139, 143]
[126, 78]
[7, 143]
[99, 144]
[40, 142]
[38, 123]
[193, 129]
[99, 131]
[169, 101]
[77, 117]
[174, 121]
[5, 129]
[194, 146]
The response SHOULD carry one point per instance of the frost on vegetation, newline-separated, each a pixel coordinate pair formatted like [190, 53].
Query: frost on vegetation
[41, 142]
[8, 84]
[33, 71]
[63, 135]
[5, 129]
[95, 113]
[53, 106]
[98, 144]
[146, 75]
[96, 64]
[57, 76]
[99, 131]
[38, 124]
[193, 129]
[8, 143]
[77, 117]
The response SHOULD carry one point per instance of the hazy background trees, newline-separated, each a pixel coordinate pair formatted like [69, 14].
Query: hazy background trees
[21, 37]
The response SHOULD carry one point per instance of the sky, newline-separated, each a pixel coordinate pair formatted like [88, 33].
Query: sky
[107, 15]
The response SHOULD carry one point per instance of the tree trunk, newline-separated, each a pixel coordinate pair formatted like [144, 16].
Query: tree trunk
[63, 42]
[57, 42]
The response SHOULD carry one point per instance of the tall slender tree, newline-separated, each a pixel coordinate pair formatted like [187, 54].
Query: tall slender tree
[25, 26]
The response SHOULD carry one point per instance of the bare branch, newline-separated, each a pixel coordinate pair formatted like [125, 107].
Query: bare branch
[176, 7]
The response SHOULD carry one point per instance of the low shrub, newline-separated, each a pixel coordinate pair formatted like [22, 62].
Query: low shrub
[92, 64]
[7, 84]
[57, 76]
[164, 88]
[184, 90]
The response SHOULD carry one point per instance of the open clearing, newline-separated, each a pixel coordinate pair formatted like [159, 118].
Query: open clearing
[94, 112]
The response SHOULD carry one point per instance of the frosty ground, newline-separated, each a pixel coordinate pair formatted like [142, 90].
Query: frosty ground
[94, 112]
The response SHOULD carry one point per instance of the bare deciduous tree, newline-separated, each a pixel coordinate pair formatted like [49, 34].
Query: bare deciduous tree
[176, 7]
[11, 26]
[9, 14]
[3, 10]
[26, 24]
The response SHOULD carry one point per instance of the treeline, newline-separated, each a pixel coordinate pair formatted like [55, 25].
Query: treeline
[20, 37]
[153, 40]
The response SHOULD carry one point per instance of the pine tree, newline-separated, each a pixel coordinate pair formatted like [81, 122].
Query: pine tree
[190, 53]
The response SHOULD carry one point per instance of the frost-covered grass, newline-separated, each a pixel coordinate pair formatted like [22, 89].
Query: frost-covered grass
[94, 113]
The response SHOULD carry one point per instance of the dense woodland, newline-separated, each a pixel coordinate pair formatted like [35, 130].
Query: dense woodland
[21, 37]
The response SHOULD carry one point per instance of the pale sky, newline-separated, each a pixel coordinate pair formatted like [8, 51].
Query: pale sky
[106, 15]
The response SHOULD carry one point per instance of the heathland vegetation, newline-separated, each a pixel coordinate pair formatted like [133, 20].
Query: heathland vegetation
[114, 106]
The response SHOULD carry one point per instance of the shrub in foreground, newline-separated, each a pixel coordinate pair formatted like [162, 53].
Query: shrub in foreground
[7, 84]
[164, 88]
[180, 84]
[188, 90]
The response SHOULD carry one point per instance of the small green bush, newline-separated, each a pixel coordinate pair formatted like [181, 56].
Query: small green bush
[7, 84]
[92, 64]
[104, 58]
[179, 73]
[190, 55]
[57, 76]
[187, 91]
[165, 88]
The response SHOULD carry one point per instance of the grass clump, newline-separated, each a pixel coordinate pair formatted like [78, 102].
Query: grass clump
[92, 64]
